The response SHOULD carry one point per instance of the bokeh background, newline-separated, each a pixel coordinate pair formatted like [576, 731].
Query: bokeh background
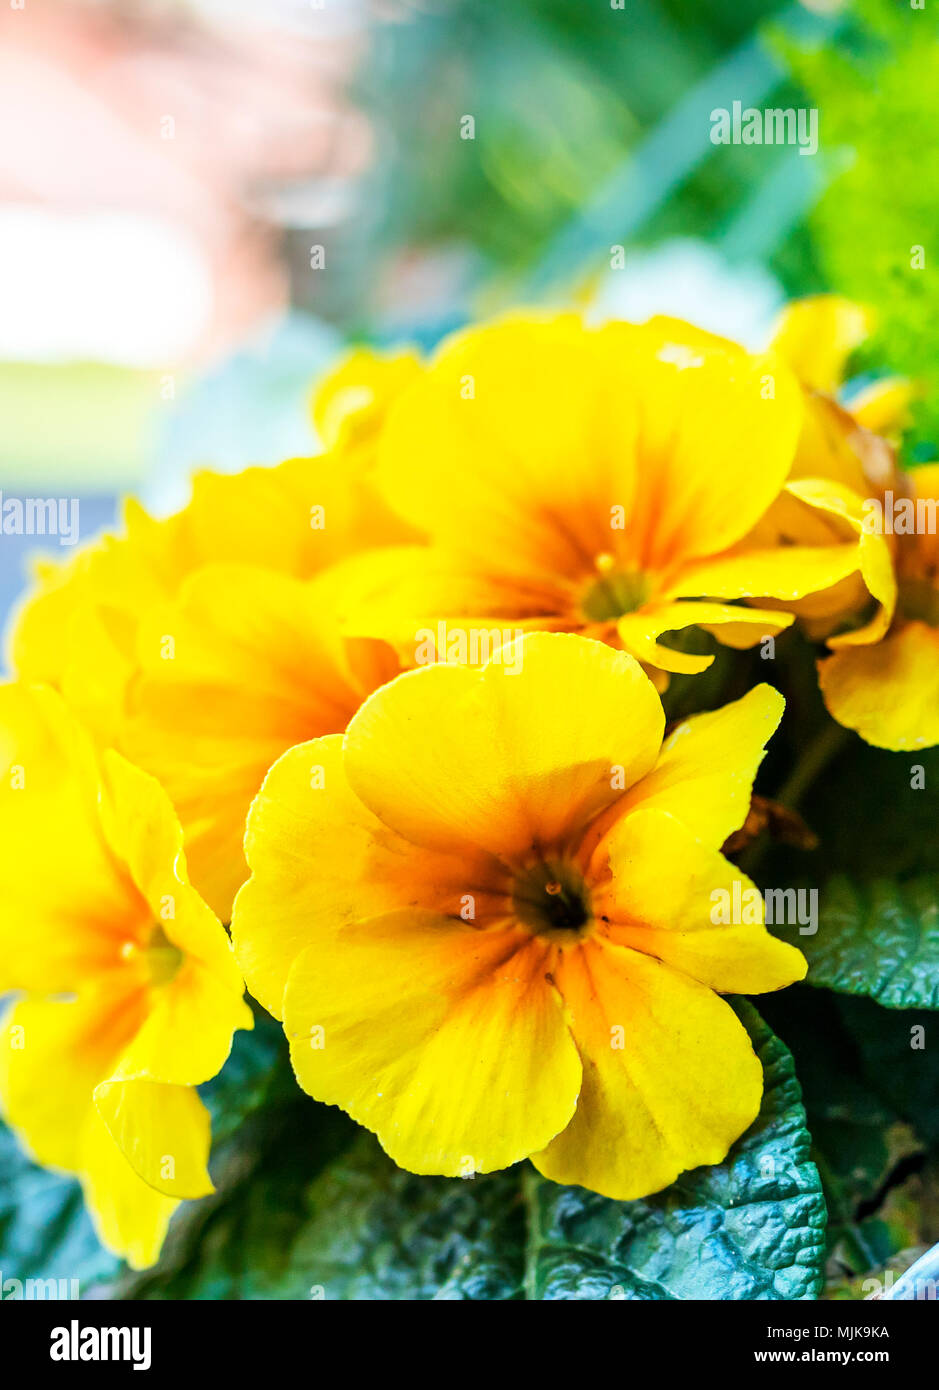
[167, 168]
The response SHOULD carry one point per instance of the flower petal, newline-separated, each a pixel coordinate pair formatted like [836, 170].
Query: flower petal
[349, 404]
[130, 1217]
[888, 693]
[53, 1052]
[884, 405]
[505, 758]
[670, 1077]
[257, 667]
[187, 1033]
[320, 860]
[816, 335]
[704, 774]
[672, 916]
[162, 1131]
[144, 833]
[715, 444]
[876, 565]
[538, 428]
[446, 1041]
[67, 903]
[746, 626]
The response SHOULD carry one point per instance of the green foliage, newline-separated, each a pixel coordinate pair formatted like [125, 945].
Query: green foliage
[878, 99]
[880, 939]
[869, 1090]
[563, 94]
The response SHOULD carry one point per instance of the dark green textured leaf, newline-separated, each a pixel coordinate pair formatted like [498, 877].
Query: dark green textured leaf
[880, 939]
[751, 1227]
[380, 1233]
[900, 1059]
[869, 1080]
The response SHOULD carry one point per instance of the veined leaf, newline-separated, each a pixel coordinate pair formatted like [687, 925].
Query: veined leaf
[880, 939]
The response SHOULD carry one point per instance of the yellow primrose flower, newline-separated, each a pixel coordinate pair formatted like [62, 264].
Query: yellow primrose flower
[486, 917]
[816, 336]
[839, 463]
[78, 630]
[593, 480]
[889, 693]
[243, 664]
[131, 991]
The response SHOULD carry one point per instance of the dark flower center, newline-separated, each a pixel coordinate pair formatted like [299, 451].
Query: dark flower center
[551, 896]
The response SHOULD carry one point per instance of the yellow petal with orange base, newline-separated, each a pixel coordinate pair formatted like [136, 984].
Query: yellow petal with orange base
[363, 869]
[670, 1076]
[68, 903]
[447, 1041]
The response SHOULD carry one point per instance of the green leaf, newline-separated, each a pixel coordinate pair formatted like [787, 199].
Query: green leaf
[869, 1088]
[311, 1207]
[380, 1233]
[880, 939]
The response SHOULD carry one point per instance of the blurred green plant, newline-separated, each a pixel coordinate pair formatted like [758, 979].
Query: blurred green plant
[878, 100]
[591, 127]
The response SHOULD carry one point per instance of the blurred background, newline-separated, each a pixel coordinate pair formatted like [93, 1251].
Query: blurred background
[202, 200]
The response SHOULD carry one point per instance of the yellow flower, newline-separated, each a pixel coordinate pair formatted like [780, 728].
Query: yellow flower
[205, 644]
[598, 481]
[78, 632]
[243, 664]
[489, 926]
[131, 989]
[816, 336]
[838, 464]
[889, 693]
